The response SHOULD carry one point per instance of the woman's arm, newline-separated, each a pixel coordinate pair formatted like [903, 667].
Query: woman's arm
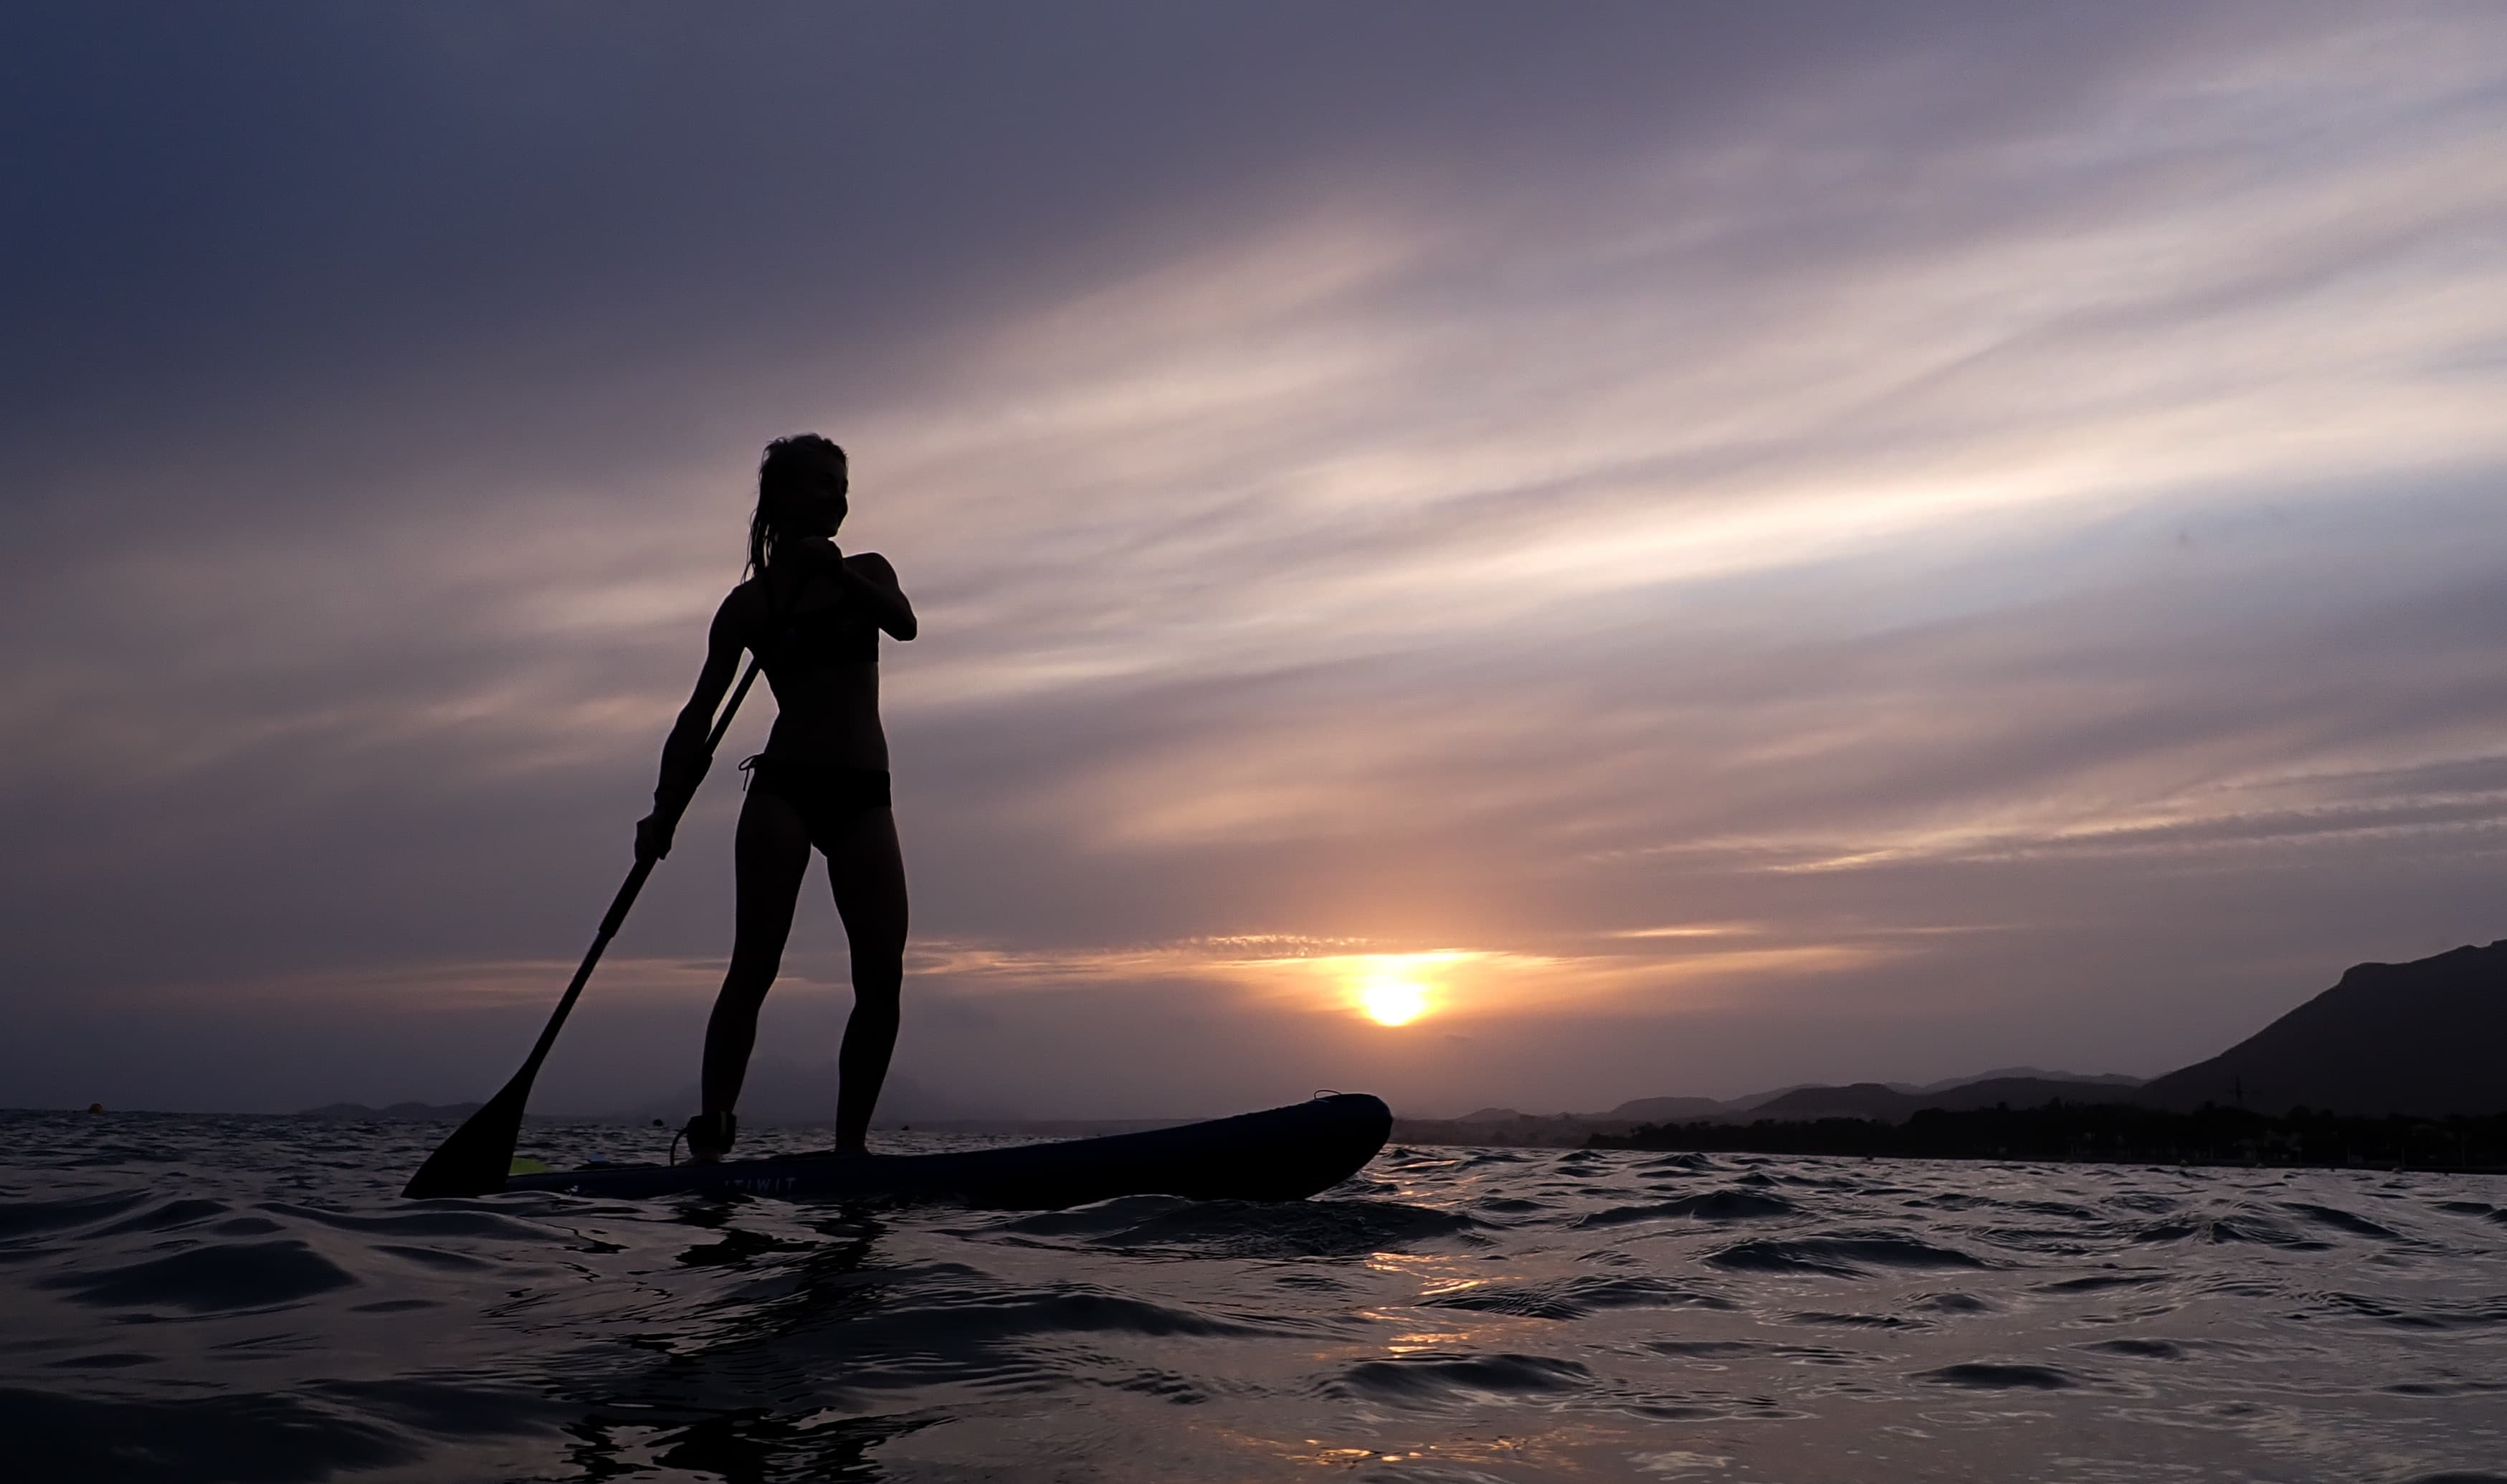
[684, 758]
[869, 580]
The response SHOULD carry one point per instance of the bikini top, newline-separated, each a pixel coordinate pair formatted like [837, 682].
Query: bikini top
[818, 637]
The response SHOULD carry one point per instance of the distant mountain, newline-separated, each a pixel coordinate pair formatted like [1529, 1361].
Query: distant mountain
[2424, 1038]
[1749, 1101]
[2032, 1092]
[2036, 1074]
[1810, 1100]
[2421, 1037]
[1896, 1102]
[1855, 1100]
[1665, 1109]
[1889, 1104]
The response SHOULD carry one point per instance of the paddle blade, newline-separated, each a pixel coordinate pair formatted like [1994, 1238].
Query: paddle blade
[474, 1161]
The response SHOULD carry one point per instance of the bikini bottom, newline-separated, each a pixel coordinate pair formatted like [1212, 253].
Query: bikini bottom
[828, 800]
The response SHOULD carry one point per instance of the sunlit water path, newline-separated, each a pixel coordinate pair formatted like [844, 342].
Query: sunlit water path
[192, 1298]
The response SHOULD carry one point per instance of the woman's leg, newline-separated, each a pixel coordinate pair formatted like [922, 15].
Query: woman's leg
[868, 871]
[770, 854]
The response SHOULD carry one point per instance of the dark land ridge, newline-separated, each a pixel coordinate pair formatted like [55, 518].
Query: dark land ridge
[2415, 1042]
[2109, 1132]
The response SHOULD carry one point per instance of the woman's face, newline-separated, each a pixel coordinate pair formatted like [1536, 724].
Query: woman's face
[820, 506]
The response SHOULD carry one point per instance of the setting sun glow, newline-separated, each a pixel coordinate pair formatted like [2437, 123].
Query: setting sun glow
[1390, 992]
[1394, 1002]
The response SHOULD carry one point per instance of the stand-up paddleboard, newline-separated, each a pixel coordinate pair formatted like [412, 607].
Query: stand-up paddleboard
[1282, 1154]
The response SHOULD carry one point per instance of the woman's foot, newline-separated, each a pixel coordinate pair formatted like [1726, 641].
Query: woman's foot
[710, 1137]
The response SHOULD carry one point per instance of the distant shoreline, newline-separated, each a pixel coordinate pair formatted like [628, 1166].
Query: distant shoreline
[2109, 1134]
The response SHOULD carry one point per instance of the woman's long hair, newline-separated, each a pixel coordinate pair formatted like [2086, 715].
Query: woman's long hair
[787, 462]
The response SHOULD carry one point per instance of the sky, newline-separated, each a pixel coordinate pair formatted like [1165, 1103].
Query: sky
[1669, 549]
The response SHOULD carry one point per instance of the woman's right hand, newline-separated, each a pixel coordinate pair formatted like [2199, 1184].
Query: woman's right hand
[653, 837]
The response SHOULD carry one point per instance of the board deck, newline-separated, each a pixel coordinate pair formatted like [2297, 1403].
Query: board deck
[1280, 1154]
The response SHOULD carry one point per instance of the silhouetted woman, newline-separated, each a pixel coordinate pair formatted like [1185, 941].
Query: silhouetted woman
[814, 616]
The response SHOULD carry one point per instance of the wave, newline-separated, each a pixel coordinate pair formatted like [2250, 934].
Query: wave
[2256, 1229]
[1995, 1376]
[2343, 1221]
[2471, 1314]
[240, 1438]
[1245, 1229]
[1707, 1206]
[1431, 1378]
[1574, 1298]
[26, 1218]
[1843, 1257]
[1953, 1303]
[205, 1279]
[2140, 1349]
[2096, 1283]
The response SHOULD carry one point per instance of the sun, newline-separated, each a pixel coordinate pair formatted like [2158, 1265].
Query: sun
[1390, 999]
[1388, 989]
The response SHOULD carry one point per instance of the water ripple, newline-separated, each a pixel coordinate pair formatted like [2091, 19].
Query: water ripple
[1844, 1256]
[204, 1280]
[234, 1299]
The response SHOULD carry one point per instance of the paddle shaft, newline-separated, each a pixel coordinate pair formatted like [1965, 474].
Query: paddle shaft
[473, 1161]
[616, 917]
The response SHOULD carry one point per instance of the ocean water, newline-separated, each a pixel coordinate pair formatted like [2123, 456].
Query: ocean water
[196, 1299]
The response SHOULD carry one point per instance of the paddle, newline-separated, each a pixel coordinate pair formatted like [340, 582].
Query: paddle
[475, 1159]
